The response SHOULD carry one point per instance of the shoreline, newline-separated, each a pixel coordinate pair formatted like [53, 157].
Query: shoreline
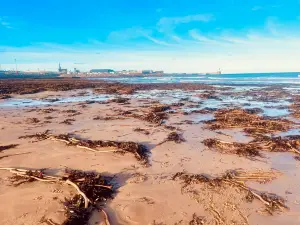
[195, 135]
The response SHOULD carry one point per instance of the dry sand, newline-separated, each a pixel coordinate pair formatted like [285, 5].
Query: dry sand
[147, 195]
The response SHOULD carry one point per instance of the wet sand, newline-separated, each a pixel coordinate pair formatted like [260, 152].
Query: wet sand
[145, 194]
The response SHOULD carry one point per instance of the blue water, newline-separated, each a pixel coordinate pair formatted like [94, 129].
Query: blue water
[227, 79]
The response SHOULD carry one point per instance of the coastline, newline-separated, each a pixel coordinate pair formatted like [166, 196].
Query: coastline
[147, 114]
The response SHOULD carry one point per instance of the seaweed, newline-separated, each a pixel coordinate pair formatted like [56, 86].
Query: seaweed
[272, 202]
[240, 149]
[259, 143]
[140, 151]
[32, 120]
[93, 188]
[6, 147]
[5, 96]
[251, 122]
[197, 220]
[173, 136]
[141, 130]
[67, 121]
[120, 100]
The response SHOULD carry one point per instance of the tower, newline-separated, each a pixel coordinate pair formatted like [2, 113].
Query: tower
[59, 67]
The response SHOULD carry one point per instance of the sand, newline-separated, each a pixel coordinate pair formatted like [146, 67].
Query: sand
[146, 194]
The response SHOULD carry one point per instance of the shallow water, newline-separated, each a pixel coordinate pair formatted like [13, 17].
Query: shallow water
[169, 97]
[225, 79]
[295, 131]
[23, 102]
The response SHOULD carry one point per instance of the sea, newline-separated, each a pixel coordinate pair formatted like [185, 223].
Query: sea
[219, 79]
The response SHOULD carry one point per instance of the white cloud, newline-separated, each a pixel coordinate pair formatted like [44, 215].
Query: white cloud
[133, 33]
[195, 34]
[129, 33]
[255, 8]
[169, 23]
[5, 24]
[271, 25]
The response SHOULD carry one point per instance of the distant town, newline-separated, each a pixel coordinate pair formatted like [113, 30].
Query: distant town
[64, 72]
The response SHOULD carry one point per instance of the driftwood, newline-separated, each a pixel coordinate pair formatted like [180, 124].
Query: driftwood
[92, 188]
[140, 151]
[239, 118]
[237, 178]
[254, 147]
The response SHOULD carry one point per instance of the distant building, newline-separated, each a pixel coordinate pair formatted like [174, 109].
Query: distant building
[102, 71]
[76, 70]
[147, 71]
[60, 70]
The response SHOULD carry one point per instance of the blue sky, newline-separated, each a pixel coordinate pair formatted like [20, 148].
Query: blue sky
[170, 35]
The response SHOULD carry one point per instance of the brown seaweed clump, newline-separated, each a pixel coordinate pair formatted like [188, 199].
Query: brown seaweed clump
[96, 187]
[156, 114]
[48, 110]
[278, 144]
[140, 151]
[155, 117]
[295, 110]
[32, 120]
[72, 112]
[108, 118]
[6, 147]
[239, 118]
[67, 121]
[92, 189]
[197, 220]
[5, 96]
[253, 148]
[120, 100]
[141, 130]
[272, 202]
[241, 149]
[173, 136]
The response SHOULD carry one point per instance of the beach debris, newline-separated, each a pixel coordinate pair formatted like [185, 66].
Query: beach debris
[197, 220]
[289, 143]
[297, 158]
[6, 147]
[5, 96]
[160, 108]
[48, 110]
[259, 143]
[68, 121]
[92, 188]
[155, 117]
[253, 123]
[140, 151]
[295, 109]
[173, 136]
[120, 100]
[141, 130]
[49, 117]
[209, 95]
[108, 118]
[72, 112]
[6, 156]
[169, 127]
[241, 149]
[237, 178]
[32, 120]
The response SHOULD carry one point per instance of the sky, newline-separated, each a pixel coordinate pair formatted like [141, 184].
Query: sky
[171, 35]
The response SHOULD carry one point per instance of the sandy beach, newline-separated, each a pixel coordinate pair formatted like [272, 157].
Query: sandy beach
[208, 156]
